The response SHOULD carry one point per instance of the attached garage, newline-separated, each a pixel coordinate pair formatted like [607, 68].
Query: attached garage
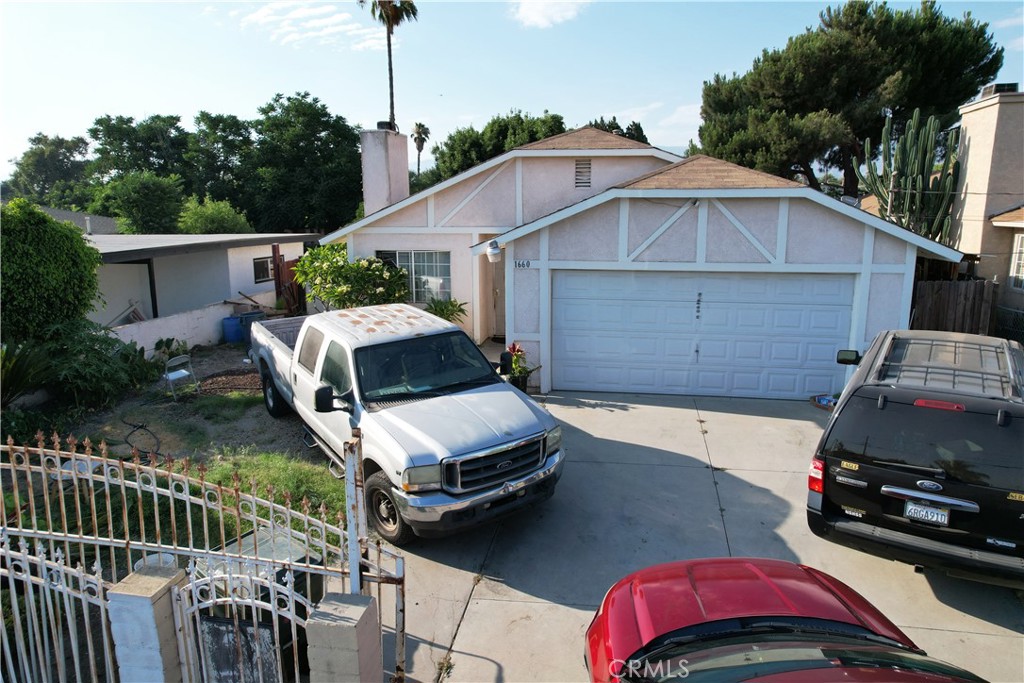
[705, 278]
[699, 333]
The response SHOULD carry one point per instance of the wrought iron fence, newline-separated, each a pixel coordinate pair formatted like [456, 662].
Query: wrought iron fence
[244, 555]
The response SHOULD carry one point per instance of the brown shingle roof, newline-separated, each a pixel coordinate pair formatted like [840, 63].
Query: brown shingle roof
[701, 172]
[587, 137]
[1012, 216]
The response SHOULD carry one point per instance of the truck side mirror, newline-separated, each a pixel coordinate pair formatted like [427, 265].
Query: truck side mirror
[324, 400]
[505, 366]
[848, 357]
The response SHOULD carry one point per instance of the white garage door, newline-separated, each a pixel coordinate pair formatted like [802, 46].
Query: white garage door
[758, 335]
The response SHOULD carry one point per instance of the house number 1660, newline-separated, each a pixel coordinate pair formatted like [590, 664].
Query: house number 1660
[522, 264]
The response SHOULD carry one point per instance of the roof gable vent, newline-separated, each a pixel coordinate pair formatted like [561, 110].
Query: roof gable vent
[582, 173]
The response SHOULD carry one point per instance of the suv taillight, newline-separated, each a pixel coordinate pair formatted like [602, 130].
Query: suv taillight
[816, 475]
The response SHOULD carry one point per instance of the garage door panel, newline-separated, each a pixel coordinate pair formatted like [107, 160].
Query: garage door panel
[768, 335]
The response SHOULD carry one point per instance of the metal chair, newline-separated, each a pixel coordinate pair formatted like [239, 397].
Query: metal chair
[179, 369]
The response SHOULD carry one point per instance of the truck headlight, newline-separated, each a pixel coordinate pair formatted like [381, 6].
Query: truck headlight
[553, 441]
[425, 478]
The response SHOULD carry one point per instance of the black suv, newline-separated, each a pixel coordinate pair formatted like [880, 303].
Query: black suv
[923, 458]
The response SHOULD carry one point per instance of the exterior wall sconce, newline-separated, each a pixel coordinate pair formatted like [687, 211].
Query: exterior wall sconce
[493, 251]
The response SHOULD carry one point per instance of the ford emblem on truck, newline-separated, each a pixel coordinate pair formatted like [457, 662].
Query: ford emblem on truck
[928, 485]
[504, 465]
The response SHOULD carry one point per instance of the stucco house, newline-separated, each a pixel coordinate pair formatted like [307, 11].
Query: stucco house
[988, 218]
[157, 286]
[621, 267]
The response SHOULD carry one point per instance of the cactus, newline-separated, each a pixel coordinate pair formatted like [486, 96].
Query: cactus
[910, 191]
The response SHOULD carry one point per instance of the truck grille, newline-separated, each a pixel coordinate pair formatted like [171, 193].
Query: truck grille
[492, 468]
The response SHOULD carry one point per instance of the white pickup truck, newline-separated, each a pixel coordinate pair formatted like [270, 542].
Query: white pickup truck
[446, 443]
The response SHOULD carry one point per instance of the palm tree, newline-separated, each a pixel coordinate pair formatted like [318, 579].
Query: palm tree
[420, 135]
[391, 13]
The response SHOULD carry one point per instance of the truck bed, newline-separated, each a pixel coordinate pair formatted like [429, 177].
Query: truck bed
[286, 330]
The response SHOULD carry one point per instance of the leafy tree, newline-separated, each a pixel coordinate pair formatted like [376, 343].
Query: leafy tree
[145, 203]
[466, 147]
[156, 144]
[909, 191]
[634, 131]
[327, 275]
[211, 217]
[47, 271]
[391, 13]
[216, 155]
[831, 87]
[48, 168]
[304, 174]
[420, 135]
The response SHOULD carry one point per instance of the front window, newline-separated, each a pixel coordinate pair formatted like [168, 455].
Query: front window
[430, 273]
[1017, 263]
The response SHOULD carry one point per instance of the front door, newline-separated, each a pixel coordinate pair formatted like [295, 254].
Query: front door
[498, 280]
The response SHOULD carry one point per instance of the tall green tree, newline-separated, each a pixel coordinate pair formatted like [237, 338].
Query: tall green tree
[391, 13]
[49, 168]
[216, 155]
[420, 135]
[304, 173]
[916, 182]
[813, 101]
[144, 203]
[467, 147]
[48, 272]
[634, 131]
[156, 144]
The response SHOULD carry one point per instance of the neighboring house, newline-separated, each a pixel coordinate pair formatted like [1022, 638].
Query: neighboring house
[87, 223]
[146, 277]
[625, 268]
[987, 216]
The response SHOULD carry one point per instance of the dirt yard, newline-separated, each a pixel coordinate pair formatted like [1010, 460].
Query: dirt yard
[227, 414]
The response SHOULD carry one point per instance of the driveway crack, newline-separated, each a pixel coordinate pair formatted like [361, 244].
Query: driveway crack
[702, 423]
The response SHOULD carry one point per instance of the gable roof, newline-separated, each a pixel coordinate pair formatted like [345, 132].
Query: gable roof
[1014, 215]
[587, 137]
[694, 178]
[704, 172]
[97, 225]
[598, 143]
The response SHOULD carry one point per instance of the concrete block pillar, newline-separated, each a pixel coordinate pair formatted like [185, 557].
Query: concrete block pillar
[142, 625]
[344, 643]
[385, 160]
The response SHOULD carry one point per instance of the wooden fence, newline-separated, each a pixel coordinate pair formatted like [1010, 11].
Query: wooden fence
[954, 305]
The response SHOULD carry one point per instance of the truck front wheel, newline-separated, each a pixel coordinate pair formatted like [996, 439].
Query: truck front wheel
[272, 398]
[383, 512]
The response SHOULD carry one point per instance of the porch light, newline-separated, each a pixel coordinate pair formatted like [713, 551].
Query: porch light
[493, 251]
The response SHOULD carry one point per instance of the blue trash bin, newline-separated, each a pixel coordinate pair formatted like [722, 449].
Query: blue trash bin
[232, 330]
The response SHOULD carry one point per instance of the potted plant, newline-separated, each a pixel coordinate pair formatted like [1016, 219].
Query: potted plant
[518, 371]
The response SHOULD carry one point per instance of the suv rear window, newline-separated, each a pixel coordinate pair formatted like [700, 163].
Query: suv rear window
[968, 447]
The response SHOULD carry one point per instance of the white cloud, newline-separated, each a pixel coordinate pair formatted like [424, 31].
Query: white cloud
[1013, 21]
[546, 13]
[296, 22]
[683, 115]
[639, 113]
[1016, 45]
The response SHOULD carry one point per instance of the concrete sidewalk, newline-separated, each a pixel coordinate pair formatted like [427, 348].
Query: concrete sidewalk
[652, 479]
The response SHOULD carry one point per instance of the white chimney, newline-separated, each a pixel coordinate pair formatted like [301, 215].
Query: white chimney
[385, 168]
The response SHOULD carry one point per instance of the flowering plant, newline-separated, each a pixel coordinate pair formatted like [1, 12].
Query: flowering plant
[519, 366]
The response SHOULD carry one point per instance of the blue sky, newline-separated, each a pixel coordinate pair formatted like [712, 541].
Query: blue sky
[62, 65]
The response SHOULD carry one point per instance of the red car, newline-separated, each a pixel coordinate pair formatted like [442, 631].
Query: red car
[748, 619]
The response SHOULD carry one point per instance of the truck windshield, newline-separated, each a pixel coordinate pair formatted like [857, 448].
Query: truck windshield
[422, 365]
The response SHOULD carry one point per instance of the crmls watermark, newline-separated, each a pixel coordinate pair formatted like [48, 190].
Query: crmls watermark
[664, 668]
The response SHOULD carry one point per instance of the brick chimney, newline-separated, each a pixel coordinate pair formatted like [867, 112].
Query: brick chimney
[385, 156]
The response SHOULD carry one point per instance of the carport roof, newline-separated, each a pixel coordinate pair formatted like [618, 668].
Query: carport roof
[701, 172]
[126, 248]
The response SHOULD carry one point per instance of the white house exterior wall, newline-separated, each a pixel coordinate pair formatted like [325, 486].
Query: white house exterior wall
[201, 278]
[763, 234]
[123, 285]
[240, 267]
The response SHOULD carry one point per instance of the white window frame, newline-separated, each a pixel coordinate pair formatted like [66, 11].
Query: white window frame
[420, 265]
[1016, 279]
[270, 269]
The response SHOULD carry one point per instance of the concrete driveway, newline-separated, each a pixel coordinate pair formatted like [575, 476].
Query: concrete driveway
[651, 479]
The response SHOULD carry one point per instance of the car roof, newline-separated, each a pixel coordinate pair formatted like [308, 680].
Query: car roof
[371, 325]
[668, 597]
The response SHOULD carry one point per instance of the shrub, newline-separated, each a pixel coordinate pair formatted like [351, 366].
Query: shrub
[211, 217]
[23, 369]
[47, 270]
[451, 310]
[328, 276]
